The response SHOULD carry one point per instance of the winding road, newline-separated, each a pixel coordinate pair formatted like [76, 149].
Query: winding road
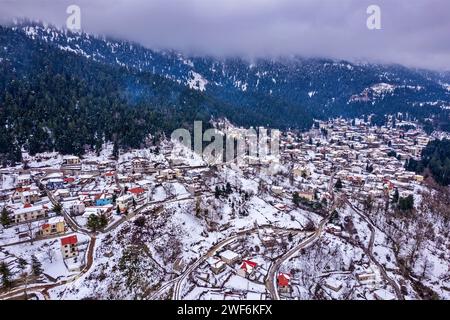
[271, 278]
[369, 251]
[43, 288]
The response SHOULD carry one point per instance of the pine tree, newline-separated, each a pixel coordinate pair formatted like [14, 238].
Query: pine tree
[57, 208]
[6, 275]
[36, 266]
[396, 196]
[4, 219]
[22, 263]
[115, 152]
[338, 184]
[228, 188]
[296, 198]
[93, 222]
[217, 192]
[197, 207]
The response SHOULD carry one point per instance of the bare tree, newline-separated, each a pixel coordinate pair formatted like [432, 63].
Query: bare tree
[50, 254]
[30, 230]
[426, 268]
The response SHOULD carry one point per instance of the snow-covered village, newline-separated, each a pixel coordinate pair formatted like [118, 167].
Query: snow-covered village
[336, 215]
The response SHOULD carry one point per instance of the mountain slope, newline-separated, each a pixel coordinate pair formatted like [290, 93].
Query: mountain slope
[316, 85]
[68, 91]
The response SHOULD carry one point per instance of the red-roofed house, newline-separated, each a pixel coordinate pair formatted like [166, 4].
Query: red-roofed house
[110, 177]
[283, 282]
[69, 180]
[137, 192]
[247, 267]
[69, 246]
[283, 279]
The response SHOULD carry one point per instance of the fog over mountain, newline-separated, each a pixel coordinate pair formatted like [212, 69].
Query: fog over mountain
[414, 33]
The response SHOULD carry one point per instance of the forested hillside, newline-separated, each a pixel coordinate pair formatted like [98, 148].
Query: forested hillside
[71, 91]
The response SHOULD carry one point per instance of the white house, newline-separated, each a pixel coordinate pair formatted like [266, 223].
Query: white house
[29, 213]
[124, 202]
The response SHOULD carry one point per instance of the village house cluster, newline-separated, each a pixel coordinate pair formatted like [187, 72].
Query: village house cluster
[368, 160]
[61, 202]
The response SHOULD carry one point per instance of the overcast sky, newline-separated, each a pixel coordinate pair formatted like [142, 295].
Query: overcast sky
[414, 32]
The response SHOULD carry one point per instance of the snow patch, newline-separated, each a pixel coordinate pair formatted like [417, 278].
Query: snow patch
[197, 82]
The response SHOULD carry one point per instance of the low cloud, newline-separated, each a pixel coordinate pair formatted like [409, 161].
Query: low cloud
[414, 33]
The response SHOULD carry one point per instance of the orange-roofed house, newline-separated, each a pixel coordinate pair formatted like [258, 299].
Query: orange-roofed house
[69, 246]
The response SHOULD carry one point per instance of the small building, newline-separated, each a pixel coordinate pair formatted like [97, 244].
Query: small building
[334, 229]
[61, 194]
[69, 247]
[30, 196]
[75, 208]
[229, 257]
[29, 213]
[247, 268]
[24, 180]
[110, 177]
[103, 200]
[280, 206]
[53, 226]
[366, 277]
[277, 190]
[306, 195]
[267, 237]
[71, 161]
[283, 281]
[124, 202]
[55, 183]
[333, 285]
[137, 192]
[382, 294]
[69, 180]
[216, 264]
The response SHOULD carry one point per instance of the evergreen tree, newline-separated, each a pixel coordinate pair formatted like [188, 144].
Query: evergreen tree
[296, 198]
[22, 263]
[57, 208]
[115, 152]
[228, 189]
[396, 196]
[4, 218]
[6, 275]
[338, 184]
[217, 192]
[406, 203]
[36, 266]
[197, 207]
[93, 222]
